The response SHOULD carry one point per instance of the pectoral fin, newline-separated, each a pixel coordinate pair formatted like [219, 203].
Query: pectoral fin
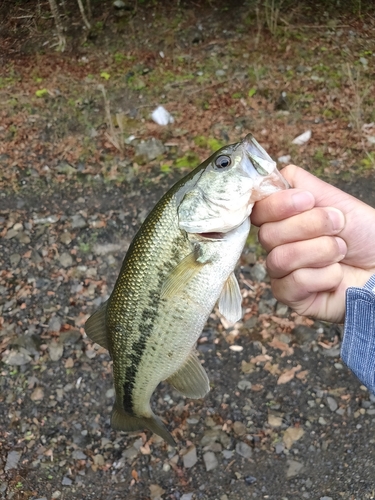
[95, 326]
[180, 276]
[121, 421]
[230, 300]
[191, 379]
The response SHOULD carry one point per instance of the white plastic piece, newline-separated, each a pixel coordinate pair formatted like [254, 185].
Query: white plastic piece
[161, 116]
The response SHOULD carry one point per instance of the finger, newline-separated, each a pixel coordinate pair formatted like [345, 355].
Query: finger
[315, 253]
[310, 292]
[301, 284]
[281, 205]
[305, 226]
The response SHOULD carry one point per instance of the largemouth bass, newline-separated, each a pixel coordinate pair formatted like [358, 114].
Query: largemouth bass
[178, 266]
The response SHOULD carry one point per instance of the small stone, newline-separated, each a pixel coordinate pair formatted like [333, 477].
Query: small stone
[322, 421]
[16, 358]
[79, 455]
[338, 366]
[210, 461]
[294, 468]
[66, 481]
[258, 272]
[54, 324]
[66, 260]
[110, 393]
[66, 238]
[304, 334]
[325, 498]
[228, 454]
[187, 496]
[150, 149]
[220, 72]
[15, 259]
[239, 428]
[244, 385]
[119, 4]
[279, 448]
[274, 420]
[332, 405]
[282, 309]
[78, 222]
[250, 480]
[55, 350]
[56, 494]
[99, 460]
[190, 457]
[12, 460]
[23, 238]
[37, 394]
[244, 449]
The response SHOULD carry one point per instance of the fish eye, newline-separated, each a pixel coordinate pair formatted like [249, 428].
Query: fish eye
[223, 161]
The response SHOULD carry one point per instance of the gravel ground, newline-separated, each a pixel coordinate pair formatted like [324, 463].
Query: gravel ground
[284, 418]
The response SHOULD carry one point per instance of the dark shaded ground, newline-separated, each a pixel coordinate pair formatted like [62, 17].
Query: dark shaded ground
[63, 236]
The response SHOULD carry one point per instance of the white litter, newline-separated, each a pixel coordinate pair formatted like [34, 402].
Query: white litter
[161, 116]
[284, 159]
[302, 139]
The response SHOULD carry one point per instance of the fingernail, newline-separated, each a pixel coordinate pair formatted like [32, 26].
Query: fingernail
[342, 247]
[303, 201]
[337, 219]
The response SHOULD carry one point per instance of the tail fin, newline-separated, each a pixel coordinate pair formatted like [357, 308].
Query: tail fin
[121, 421]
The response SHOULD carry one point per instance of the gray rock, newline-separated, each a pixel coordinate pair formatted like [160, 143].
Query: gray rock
[78, 222]
[15, 259]
[325, 498]
[119, 4]
[55, 350]
[282, 310]
[54, 324]
[17, 358]
[258, 272]
[150, 149]
[244, 450]
[304, 334]
[66, 481]
[190, 457]
[79, 455]
[12, 460]
[66, 260]
[187, 496]
[220, 72]
[294, 468]
[244, 385]
[70, 337]
[279, 448]
[332, 405]
[210, 461]
[228, 454]
[266, 306]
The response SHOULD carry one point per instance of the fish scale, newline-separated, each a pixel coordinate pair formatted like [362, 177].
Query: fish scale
[179, 265]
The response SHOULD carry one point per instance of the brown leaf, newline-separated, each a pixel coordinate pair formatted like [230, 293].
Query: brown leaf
[288, 375]
[282, 346]
[291, 435]
[156, 492]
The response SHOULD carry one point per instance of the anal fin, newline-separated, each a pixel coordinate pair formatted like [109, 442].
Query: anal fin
[121, 421]
[191, 379]
[95, 326]
[230, 300]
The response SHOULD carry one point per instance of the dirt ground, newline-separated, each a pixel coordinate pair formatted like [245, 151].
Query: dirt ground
[284, 419]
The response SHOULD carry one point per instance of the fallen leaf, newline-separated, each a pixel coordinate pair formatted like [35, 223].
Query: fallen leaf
[37, 394]
[291, 435]
[282, 346]
[261, 358]
[302, 375]
[273, 369]
[135, 475]
[156, 492]
[257, 387]
[69, 363]
[288, 375]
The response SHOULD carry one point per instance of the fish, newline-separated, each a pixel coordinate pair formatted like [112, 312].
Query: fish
[179, 265]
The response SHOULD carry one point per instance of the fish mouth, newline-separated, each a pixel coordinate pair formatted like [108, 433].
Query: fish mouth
[260, 166]
[214, 235]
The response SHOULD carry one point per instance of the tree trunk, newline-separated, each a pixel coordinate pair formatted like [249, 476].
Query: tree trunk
[59, 27]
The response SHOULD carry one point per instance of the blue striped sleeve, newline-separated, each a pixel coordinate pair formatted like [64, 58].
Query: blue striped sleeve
[358, 345]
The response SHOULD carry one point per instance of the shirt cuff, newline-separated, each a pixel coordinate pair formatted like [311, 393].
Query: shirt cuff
[358, 345]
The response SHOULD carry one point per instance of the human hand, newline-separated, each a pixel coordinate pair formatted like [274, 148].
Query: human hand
[320, 241]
